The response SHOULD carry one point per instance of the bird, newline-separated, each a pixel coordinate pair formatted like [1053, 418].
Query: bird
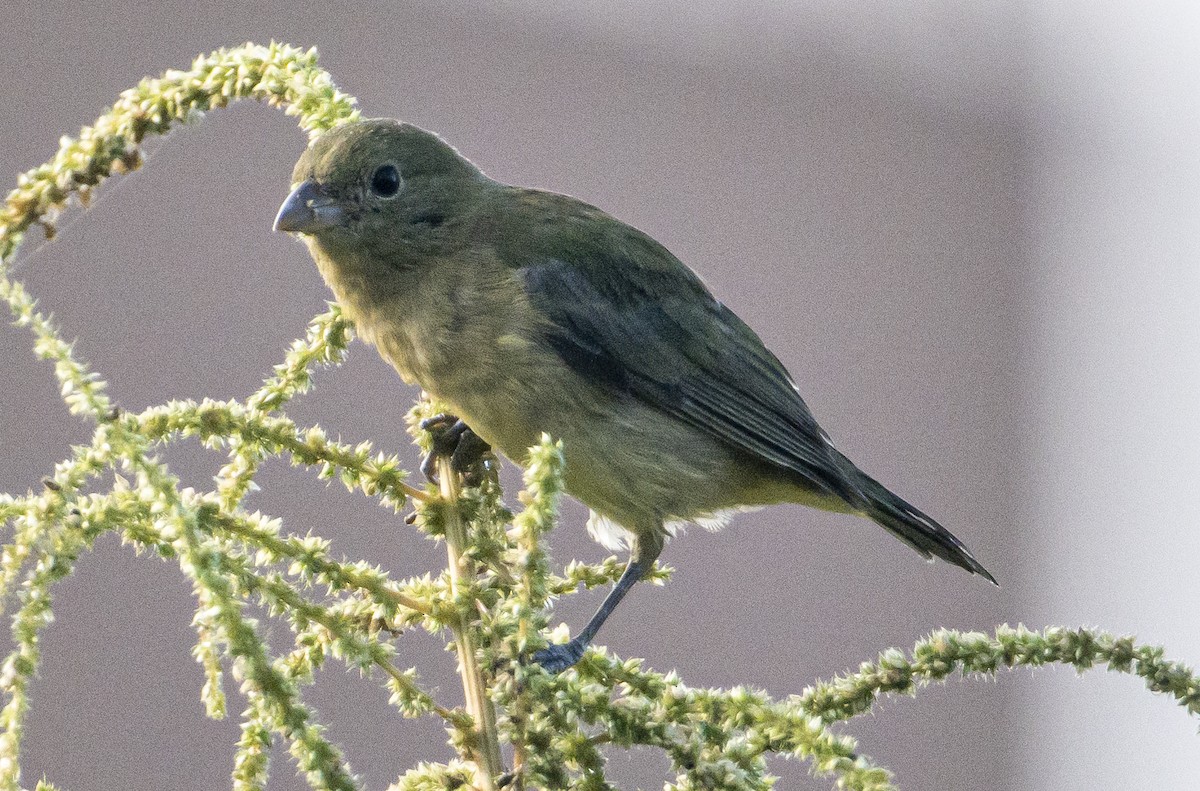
[529, 312]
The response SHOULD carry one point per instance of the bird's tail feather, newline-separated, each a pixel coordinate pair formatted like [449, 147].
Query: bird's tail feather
[916, 529]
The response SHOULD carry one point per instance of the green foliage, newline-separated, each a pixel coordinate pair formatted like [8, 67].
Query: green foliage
[491, 602]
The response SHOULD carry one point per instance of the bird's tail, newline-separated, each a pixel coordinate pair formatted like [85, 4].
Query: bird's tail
[916, 529]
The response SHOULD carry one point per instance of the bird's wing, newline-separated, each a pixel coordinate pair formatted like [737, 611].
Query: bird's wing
[622, 311]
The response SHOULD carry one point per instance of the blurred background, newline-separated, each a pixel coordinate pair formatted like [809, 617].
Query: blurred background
[968, 229]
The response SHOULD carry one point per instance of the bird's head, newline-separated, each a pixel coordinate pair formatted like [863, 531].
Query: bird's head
[379, 185]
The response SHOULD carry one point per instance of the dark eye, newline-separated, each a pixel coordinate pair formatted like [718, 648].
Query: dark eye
[385, 181]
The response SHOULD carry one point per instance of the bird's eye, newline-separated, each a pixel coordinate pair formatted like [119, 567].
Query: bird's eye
[385, 181]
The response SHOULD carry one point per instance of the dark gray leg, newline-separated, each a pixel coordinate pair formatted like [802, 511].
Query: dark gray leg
[557, 658]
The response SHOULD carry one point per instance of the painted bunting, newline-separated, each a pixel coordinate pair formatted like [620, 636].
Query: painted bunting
[529, 312]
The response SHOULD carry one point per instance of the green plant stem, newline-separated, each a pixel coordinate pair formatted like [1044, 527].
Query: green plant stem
[974, 653]
[487, 741]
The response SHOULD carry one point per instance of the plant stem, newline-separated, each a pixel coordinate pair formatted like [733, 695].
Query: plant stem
[487, 746]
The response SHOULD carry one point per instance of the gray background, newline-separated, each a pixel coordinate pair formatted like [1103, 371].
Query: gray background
[968, 229]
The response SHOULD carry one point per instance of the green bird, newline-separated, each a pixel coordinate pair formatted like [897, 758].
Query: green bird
[528, 311]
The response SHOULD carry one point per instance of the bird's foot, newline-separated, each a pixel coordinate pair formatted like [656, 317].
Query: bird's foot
[557, 658]
[469, 454]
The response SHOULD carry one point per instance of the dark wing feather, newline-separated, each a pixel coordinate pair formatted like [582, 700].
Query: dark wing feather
[625, 313]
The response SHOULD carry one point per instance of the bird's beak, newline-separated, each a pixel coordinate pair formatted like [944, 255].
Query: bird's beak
[308, 210]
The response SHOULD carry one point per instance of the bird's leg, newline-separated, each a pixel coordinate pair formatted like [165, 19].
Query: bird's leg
[469, 453]
[557, 658]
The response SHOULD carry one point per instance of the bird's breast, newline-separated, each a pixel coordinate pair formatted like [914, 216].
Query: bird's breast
[464, 332]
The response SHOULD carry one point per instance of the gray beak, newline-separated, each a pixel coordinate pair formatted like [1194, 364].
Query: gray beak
[308, 210]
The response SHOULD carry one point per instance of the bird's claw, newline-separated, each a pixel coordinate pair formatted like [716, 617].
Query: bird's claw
[439, 422]
[445, 440]
[559, 657]
[469, 454]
